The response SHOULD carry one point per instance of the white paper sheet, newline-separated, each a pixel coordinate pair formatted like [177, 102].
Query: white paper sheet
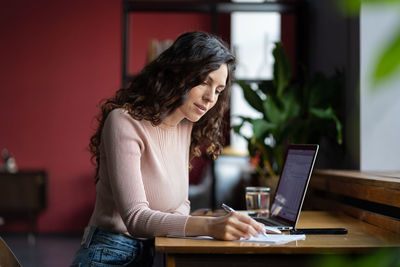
[274, 239]
[269, 238]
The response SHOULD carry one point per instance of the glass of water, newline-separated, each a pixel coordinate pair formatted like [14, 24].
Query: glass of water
[257, 201]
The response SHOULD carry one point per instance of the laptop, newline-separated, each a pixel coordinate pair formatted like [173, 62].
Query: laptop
[292, 187]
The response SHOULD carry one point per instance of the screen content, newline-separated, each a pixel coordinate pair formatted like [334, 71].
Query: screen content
[292, 184]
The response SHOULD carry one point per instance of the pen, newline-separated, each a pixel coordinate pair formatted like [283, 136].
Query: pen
[227, 208]
[271, 229]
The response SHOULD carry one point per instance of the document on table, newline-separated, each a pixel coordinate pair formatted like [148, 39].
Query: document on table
[269, 238]
[274, 239]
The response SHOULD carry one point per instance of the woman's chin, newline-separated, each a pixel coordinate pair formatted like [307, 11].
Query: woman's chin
[194, 118]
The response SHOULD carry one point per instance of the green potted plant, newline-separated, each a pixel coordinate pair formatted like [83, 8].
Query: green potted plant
[293, 111]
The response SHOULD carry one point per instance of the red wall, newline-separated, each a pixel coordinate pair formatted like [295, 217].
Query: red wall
[58, 60]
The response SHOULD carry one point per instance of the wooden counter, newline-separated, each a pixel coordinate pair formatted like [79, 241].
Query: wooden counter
[361, 238]
[373, 197]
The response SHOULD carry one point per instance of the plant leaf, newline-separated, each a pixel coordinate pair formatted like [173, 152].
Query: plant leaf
[274, 114]
[243, 118]
[251, 96]
[267, 87]
[291, 106]
[261, 128]
[281, 114]
[238, 127]
[282, 69]
[389, 61]
[352, 7]
[325, 91]
[329, 114]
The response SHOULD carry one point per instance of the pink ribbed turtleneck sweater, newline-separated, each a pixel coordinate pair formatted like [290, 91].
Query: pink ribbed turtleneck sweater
[143, 177]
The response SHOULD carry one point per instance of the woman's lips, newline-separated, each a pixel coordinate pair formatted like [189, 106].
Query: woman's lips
[202, 109]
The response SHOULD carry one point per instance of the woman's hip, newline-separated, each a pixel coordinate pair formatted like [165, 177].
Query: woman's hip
[100, 247]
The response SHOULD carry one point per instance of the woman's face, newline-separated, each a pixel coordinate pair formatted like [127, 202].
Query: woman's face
[201, 98]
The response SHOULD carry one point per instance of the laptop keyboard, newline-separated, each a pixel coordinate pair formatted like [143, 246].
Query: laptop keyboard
[267, 221]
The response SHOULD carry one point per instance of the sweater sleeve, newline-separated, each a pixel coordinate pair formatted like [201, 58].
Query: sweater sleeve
[123, 148]
[184, 208]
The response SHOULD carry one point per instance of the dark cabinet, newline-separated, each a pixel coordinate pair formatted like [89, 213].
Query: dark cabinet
[23, 196]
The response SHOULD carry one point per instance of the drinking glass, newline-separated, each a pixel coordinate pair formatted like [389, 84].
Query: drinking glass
[257, 201]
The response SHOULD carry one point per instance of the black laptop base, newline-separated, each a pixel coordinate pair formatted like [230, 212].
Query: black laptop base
[273, 223]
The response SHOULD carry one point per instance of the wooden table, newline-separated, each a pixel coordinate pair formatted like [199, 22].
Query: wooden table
[361, 238]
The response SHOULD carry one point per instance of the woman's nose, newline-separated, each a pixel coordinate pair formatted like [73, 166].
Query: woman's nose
[209, 95]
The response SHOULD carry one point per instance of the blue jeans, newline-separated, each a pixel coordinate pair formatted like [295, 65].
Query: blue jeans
[102, 248]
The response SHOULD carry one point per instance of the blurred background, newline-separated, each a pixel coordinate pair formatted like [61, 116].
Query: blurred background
[59, 59]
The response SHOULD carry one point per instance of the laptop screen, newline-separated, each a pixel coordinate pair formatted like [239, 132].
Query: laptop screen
[293, 182]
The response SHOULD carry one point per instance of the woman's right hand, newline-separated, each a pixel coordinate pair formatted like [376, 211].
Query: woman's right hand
[232, 226]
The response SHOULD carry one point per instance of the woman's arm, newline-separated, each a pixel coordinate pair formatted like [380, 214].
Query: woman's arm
[232, 226]
[183, 209]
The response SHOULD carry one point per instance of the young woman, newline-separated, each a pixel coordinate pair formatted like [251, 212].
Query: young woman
[146, 137]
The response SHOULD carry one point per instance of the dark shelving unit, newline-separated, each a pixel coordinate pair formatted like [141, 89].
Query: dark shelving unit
[213, 8]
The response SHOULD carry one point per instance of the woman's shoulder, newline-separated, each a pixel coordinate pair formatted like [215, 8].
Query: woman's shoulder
[122, 117]
[120, 128]
[118, 113]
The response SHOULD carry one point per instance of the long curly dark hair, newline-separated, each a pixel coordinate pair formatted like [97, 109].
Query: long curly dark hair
[163, 85]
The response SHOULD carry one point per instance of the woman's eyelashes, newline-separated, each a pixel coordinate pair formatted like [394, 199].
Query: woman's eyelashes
[218, 90]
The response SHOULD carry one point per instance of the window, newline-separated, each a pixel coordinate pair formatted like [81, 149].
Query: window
[253, 36]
